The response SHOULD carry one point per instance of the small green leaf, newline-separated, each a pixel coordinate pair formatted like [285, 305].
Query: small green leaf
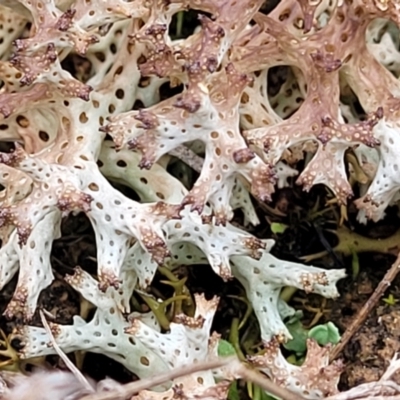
[277, 227]
[267, 396]
[390, 300]
[225, 348]
[299, 334]
[324, 334]
[233, 393]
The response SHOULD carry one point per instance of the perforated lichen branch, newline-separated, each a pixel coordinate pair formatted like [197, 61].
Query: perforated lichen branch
[216, 122]
[315, 378]
[323, 124]
[33, 262]
[264, 279]
[252, 141]
[75, 183]
[263, 275]
[104, 333]
[188, 341]
[66, 195]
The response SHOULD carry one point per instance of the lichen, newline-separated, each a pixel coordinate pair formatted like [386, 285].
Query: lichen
[250, 142]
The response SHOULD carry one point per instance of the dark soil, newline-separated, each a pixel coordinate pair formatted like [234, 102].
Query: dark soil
[368, 353]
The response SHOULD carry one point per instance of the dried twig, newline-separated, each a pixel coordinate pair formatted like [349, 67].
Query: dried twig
[256, 377]
[232, 363]
[367, 308]
[135, 387]
[189, 157]
[363, 391]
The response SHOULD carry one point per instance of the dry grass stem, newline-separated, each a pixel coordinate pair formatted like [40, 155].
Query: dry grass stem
[78, 375]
